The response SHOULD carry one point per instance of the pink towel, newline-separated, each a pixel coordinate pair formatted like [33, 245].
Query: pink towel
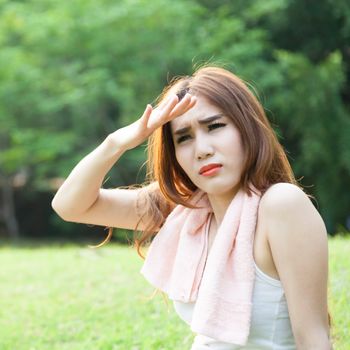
[223, 290]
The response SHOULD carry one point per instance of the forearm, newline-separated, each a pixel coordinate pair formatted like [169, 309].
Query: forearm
[81, 188]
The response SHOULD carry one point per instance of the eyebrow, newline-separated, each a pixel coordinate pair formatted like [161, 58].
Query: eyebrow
[201, 121]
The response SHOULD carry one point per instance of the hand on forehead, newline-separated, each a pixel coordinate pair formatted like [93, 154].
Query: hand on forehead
[202, 112]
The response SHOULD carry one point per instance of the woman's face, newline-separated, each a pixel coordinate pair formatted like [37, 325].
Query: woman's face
[208, 148]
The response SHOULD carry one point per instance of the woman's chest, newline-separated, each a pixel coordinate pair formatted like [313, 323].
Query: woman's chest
[261, 249]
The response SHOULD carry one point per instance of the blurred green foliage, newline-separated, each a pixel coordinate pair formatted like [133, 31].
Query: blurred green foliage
[73, 71]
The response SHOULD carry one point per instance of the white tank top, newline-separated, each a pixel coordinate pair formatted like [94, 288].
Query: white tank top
[270, 323]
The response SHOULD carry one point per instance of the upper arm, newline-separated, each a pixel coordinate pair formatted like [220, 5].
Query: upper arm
[116, 208]
[112, 208]
[298, 240]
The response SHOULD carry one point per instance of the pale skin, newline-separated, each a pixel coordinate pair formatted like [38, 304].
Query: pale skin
[290, 241]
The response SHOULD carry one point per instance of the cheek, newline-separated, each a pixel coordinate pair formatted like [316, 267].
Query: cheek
[179, 157]
[242, 149]
[237, 143]
[182, 159]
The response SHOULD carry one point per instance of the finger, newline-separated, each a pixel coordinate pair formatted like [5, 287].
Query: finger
[173, 101]
[146, 114]
[167, 101]
[184, 105]
[192, 103]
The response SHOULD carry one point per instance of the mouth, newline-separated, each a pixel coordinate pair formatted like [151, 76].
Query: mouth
[210, 169]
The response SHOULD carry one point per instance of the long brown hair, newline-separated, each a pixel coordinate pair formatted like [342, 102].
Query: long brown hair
[266, 162]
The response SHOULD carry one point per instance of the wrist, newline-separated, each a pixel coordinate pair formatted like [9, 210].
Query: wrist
[112, 147]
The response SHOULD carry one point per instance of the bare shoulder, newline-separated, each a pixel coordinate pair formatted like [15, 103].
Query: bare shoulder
[297, 237]
[287, 205]
[288, 202]
[283, 196]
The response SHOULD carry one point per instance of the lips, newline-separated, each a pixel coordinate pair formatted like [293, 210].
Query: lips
[209, 167]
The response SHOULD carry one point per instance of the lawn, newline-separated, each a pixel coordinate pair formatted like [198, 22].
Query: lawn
[70, 297]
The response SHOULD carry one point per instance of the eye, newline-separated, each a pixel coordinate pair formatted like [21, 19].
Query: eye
[183, 138]
[215, 126]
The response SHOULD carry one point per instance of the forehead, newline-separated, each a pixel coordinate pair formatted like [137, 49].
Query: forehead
[203, 108]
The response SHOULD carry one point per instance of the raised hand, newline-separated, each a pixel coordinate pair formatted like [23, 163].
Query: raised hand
[134, 134]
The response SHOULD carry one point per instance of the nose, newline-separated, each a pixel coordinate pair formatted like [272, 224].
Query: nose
[204, 149]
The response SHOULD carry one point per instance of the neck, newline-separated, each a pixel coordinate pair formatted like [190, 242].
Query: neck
[220, 203]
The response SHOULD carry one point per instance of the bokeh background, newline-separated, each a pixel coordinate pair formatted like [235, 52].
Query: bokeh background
[73, 71]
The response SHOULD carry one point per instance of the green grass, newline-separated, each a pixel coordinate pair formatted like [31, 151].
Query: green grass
[71, 297]
[339, 291]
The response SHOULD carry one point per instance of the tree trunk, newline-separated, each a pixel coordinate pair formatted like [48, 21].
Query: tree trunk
[7, 209]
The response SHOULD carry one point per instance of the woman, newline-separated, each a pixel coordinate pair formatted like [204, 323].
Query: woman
[238, 246]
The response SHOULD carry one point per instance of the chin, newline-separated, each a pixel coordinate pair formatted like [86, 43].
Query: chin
[219, 190]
